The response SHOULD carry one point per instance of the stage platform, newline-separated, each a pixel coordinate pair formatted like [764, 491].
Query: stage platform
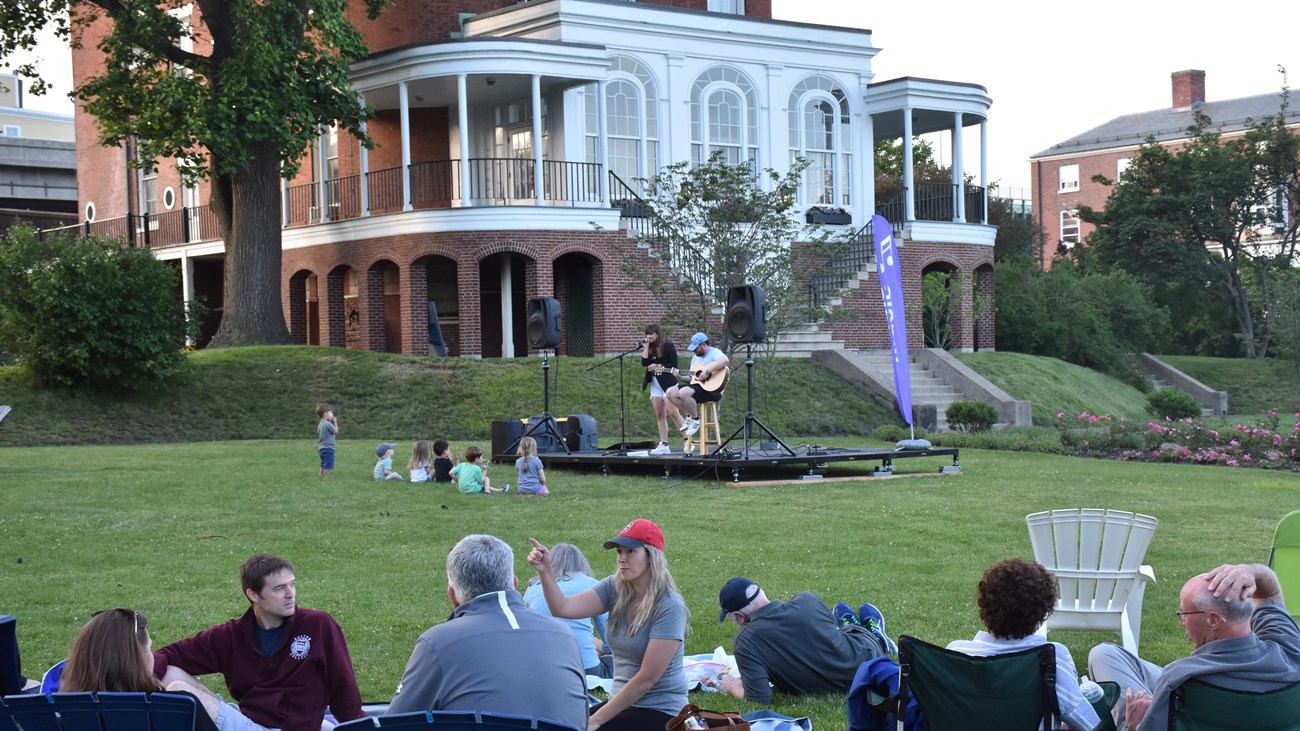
[763, 461]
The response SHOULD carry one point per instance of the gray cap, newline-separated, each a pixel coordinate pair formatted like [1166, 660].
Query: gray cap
[384, 447]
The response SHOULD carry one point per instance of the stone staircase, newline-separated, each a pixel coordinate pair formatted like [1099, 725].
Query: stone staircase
[800, 342]
[927, 388]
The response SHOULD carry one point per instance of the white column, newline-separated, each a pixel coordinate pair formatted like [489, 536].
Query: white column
[462, 118]
[958, 170]
[909, 211]
[187, 286]
[322, 170]
[602, 142]
[538, 178]
[984, 168]
[284, 203]
[403, 99]
[865, 183]
[365, 163]
[507, 313]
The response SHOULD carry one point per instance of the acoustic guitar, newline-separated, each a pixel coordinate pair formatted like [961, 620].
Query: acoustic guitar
[713, 383]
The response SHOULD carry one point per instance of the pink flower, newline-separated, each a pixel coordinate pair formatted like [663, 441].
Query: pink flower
[1273, 412]
[1092, 420]
[1246, 457]
[1060, 415]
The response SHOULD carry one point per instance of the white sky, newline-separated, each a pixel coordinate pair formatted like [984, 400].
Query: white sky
[1053, 70]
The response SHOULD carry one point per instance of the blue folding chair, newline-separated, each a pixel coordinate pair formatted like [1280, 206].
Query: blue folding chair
[50, 681]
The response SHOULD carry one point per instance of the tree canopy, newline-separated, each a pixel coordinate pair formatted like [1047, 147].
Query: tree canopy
[1214, 215]
[234, 90]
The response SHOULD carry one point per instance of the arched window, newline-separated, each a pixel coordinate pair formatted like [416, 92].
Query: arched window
[631, 119]
[819, 132]
[724, 116]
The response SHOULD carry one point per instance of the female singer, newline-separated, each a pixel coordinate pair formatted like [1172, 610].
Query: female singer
[659, 357]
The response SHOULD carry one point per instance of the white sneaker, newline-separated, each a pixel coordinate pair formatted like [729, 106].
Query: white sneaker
[686, 448]
[692, 426]
[663, 448]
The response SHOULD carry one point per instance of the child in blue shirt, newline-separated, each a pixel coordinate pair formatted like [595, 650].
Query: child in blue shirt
[384, 467]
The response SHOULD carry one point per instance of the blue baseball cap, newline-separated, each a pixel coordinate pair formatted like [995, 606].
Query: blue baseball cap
[697, 340]
[736, 594]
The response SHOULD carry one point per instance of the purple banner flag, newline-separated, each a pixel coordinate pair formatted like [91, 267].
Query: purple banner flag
[891, 292]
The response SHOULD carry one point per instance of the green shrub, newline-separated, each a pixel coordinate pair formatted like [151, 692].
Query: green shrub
[971, 416]
[1170, 403]
[88, 312]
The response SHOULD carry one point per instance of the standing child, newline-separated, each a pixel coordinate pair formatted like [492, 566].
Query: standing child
[384, 467]
[326, 431]
[421, 462]
[469, 476]
[532, 478]
[441, 462]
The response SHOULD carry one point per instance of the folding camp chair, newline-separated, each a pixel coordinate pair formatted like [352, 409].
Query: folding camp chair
[1284, 559]
[1012, 692]
[452, 721]
[1199, 706]
[98, 712]
[11, 666]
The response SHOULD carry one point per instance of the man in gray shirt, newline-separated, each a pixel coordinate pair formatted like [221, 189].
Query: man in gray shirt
[494, 654]
[797, 646]
[1239, 644]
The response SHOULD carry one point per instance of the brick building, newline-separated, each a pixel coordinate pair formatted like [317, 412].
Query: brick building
[1062, 175]
[506, 129]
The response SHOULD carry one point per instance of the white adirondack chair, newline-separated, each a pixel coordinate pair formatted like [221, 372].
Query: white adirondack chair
[1096, 556]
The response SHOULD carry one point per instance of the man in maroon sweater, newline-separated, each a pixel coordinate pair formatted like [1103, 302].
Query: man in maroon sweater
[282, 663]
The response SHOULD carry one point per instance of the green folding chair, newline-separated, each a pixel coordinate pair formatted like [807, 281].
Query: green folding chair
[1284, 559]
[1012, 692]
[1199, 706]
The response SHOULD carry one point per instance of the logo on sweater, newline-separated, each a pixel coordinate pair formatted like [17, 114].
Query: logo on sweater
[300, 647]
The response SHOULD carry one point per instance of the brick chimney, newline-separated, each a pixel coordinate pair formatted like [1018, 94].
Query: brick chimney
[1189, 88]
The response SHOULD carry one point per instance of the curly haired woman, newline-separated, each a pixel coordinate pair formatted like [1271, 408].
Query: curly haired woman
[1015, 596]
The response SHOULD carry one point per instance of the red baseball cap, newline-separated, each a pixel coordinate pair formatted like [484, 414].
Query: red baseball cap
[640, 532]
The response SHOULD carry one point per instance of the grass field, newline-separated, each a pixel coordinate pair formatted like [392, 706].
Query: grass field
[1054, 386]
[1253, 386]
[162, 528]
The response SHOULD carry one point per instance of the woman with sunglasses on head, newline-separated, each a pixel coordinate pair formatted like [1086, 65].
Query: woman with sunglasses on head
[645, 631]
[114, 652]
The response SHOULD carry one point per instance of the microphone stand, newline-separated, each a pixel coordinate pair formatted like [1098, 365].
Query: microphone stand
[622, 400]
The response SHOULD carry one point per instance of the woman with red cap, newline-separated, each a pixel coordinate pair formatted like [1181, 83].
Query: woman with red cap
[646, 629]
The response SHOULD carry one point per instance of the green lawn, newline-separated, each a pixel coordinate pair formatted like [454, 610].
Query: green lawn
[163, 528]
[1055, 386]
[272, 392]
[1253, 386]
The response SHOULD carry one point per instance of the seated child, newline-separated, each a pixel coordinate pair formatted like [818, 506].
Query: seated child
[442, 462]
[469, 477]
[384, 467]
[421, 462]
[532, 478]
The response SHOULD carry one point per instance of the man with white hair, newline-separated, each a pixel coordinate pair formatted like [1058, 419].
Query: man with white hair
[1242, 639]
[494, 654]
[798, 646]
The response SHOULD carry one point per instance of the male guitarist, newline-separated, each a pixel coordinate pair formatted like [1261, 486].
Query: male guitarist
[708, 373]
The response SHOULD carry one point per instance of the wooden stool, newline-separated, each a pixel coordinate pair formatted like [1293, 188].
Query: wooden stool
[708, 432]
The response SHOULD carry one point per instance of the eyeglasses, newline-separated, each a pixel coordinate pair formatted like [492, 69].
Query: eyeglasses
[137, 618]
[1182, 614]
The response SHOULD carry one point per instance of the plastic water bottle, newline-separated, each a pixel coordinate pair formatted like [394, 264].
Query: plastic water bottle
[1091, 691]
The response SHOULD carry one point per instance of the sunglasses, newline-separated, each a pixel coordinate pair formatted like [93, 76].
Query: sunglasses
[137, 619]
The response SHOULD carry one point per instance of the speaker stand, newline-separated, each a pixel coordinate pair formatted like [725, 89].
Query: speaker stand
[547, 424]
[751, 421]
[621, 449]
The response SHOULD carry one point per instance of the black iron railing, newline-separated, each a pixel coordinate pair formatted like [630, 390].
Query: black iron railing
[895, 209]
[833, 276]
[167, 228]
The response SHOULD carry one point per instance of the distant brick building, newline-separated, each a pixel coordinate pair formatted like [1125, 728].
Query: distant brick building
[505, 129]
[38, 177]
[1062, 175]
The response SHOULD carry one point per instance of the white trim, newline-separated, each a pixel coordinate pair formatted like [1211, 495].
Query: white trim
[948, 232]
[459, 220]
[505, 607]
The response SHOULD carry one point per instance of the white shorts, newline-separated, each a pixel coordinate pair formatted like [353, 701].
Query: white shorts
[656, 391]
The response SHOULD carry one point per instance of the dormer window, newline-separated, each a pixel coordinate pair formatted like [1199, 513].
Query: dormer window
[733, 7]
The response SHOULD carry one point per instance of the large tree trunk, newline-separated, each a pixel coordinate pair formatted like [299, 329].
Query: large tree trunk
[247, 205]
